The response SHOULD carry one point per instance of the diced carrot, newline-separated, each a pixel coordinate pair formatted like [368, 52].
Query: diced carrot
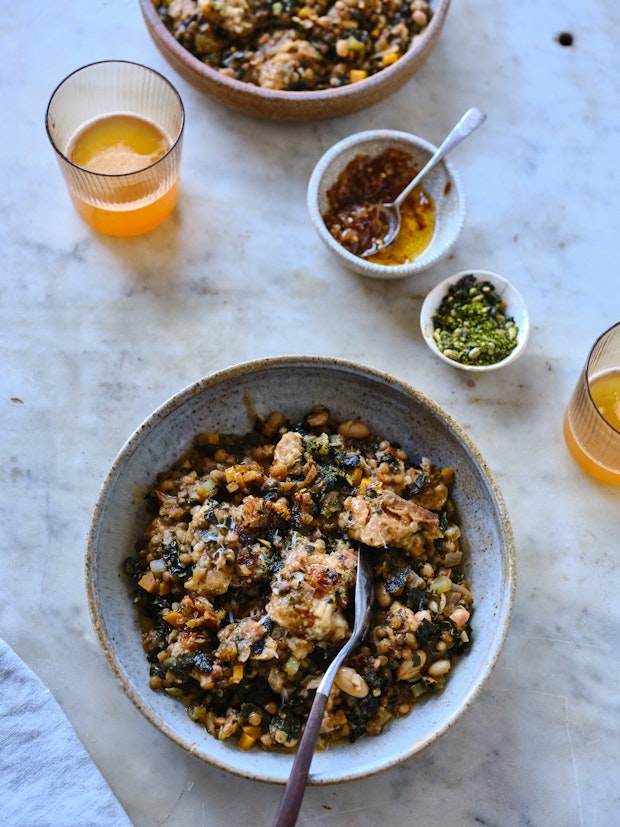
[368, 482]
[248, 736]
[390, 58]
[356, 476]
[447, 475]
[357, 74]
[148, 582]
[173, 618]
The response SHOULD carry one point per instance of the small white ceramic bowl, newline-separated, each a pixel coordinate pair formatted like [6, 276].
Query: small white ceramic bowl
[442, 184]
[229, 402]
[515, 308]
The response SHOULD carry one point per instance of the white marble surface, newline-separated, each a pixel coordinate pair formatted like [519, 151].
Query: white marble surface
[96, 332]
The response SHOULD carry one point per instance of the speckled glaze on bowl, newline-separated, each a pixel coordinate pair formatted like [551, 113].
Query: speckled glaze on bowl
[515, 307]
[228, 401]
[442, 184]
[285, 105]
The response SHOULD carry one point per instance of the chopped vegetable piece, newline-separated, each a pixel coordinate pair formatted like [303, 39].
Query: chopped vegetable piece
[358, 74]
[249, 734]
[148, 582]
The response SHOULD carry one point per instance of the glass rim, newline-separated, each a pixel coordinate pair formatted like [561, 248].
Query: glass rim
[174, 142]
[587, 376]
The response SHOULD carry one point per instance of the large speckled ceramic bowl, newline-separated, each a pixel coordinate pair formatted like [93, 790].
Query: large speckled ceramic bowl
[228, 401]
[442, 184]
[286, 105]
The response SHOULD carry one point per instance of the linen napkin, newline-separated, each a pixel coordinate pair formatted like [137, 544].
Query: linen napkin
[47, 779]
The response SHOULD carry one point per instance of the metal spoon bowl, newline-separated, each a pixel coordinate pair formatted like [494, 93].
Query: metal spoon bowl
[296, 784]
[389, 213]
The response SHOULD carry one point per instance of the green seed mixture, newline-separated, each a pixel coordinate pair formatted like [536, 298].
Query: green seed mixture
[471, 325]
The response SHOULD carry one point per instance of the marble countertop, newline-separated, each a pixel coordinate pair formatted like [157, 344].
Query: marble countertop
[96, 332]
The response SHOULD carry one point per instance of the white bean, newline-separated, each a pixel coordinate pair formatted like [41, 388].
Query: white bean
[351, 682]
[459, 617]
[440, 667]
[408, 668]
[354, 430]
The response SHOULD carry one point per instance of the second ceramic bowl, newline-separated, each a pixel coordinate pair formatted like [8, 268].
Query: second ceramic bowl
[515, 309]
[442, 184]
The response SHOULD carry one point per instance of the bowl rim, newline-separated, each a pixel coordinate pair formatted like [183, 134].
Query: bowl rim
[515, 304]
[178, 56]
[505, 598]
[363, 266]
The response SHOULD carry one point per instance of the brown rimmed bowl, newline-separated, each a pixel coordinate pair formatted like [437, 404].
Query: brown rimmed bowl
[287, 105]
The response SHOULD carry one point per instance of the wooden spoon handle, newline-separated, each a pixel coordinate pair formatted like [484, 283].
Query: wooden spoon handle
[296, 784]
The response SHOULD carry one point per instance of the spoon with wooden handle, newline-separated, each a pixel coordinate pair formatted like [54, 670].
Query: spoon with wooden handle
[296, 784]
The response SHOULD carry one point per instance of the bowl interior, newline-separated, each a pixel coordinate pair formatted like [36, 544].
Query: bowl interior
[228, 401]
[442, 183]
[515, 307]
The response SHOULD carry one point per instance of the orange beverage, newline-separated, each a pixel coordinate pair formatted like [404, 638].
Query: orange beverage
[117, 130]
[591, 442]
[605, 391]
[132, 220]
[117, 145]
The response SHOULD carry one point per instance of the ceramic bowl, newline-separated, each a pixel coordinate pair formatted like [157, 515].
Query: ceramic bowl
[228, 401]
[287, 105]
[442, 184]
[515, 307]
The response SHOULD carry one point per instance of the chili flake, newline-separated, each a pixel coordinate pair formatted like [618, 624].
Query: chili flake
[365, 183]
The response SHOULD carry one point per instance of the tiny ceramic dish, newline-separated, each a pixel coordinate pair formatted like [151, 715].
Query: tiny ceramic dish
[287, 104]
[442, 184]
[515, 309]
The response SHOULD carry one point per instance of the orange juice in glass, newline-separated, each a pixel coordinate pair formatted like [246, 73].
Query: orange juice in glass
[117, 129]
[592, 418]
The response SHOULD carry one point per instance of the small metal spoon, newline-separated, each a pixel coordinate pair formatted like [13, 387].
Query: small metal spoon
[390, 212]
[296, 784]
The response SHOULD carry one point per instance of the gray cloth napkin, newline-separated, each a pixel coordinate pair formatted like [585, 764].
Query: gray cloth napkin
[47, 778]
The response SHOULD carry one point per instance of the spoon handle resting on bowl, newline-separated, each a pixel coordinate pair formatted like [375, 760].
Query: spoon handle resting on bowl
[465, 126]
[390, 211]
[296, 784]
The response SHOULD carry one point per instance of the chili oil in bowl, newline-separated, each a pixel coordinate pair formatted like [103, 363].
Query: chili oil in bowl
[199, 35]
[475, 320]
[372, 167]
[230, 402]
